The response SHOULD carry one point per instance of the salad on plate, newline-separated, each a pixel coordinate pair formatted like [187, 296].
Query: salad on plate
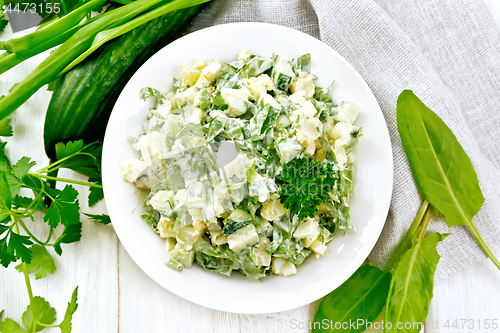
[248, 165]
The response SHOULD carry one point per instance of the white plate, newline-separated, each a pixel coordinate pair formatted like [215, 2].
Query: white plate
[372, 173]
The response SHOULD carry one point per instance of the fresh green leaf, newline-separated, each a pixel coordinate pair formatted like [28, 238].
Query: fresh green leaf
[4, 160]
[20, 201]
[412, 284]
[103, 219]
[151, 218]
[21, 168]
[18, 246]
[442, 170]
[41, 262]
[6, 256]
[52, 86]
[5, 128]
[71, 234]
[10, 326]
[5, 196]
[71, 48]
[64, 208]
[68, 149]
[361, 297]
[44, 313]
[47, 19]
[66, 324]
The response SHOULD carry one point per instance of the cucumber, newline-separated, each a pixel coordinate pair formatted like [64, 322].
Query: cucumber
[82, 101]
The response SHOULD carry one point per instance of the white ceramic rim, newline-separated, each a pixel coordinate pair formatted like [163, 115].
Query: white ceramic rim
[295, 291]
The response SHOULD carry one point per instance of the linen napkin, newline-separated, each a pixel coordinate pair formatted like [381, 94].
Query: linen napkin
[448, 53]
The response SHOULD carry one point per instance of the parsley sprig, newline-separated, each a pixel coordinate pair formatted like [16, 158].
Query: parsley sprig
[306, 184]
[64, 209]
[17, 241]
[3, 20]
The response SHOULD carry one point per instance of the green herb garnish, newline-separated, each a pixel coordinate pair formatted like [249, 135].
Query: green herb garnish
[306, 183]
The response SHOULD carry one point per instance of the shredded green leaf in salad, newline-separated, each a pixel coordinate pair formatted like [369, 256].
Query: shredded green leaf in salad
[248, 163]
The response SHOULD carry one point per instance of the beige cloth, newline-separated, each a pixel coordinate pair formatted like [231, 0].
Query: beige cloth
[448, 53]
